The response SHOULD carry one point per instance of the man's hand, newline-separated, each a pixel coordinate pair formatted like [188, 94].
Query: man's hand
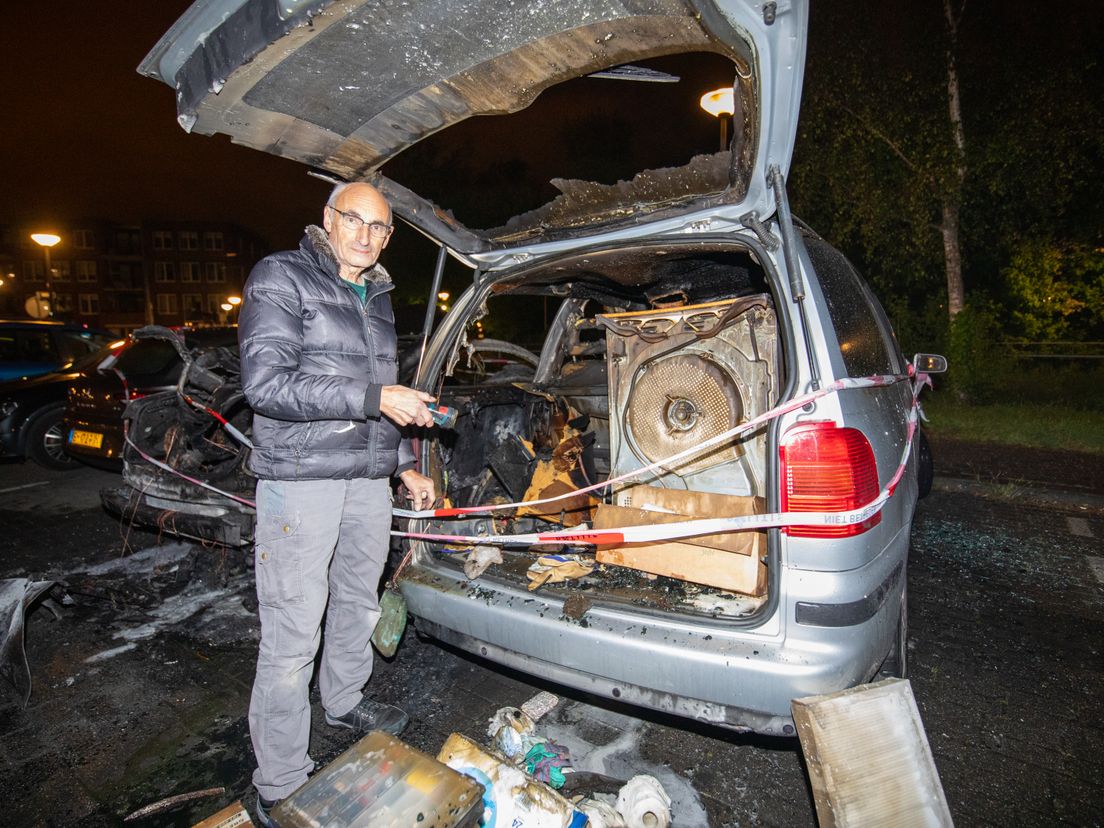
[405, 405]
[421, 489]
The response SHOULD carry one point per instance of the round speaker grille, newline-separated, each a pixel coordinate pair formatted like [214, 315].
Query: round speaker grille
[679, 402]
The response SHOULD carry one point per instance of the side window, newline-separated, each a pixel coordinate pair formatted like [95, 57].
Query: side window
[35, 346]
[72, 346]
[866, 343]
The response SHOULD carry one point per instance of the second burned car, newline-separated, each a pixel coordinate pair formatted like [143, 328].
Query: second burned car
[680, 305]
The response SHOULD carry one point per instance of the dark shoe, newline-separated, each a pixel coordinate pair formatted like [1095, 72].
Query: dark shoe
[371, 715]
[263, 808]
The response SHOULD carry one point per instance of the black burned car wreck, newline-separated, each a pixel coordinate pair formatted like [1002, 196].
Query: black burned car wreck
[694, 355]
[185, 449]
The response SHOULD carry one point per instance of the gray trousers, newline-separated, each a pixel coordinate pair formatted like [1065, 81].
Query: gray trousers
[316, 540]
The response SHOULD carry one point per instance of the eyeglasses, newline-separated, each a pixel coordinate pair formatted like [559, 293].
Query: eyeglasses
[352, 221]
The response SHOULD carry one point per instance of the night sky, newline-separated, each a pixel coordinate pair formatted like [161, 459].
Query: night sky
[88, 136]
[85, 135]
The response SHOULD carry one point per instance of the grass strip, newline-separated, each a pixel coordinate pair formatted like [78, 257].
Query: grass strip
[1016, 424]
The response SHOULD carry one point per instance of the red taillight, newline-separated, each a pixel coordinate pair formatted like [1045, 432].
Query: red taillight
[825, 468]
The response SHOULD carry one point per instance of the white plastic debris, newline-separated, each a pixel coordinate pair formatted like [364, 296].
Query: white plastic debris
[643, 803]
[510, 731]
[600, 815]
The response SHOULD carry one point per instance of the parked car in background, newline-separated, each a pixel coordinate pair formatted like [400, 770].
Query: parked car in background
[30, 347]
[146, 363]
[32, 412]
[672, 309]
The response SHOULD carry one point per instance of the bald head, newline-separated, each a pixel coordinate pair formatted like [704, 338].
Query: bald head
[354, 218]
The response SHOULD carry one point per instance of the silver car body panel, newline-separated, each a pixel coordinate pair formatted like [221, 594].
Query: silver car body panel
[344, 86]
[741, 673]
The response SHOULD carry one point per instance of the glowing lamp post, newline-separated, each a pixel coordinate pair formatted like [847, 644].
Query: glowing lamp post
[719, 103]
[232, 303]
[46, 241]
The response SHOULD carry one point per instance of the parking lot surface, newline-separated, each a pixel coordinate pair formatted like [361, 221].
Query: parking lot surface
[141, 683]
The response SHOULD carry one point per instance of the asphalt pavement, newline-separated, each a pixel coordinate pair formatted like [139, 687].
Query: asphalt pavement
[140, 685]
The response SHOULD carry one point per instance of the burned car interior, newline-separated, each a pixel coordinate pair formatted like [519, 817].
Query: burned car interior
[651, 351]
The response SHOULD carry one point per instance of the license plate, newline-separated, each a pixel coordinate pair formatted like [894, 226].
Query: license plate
[91, 439]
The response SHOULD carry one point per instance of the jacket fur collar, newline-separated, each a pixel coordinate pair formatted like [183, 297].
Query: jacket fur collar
[320, 241]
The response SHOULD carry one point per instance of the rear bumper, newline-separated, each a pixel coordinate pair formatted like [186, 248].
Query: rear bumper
[737, 677]
[199, 521]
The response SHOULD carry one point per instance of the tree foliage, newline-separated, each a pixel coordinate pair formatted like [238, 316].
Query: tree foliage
[1056, 291]
[875, 151]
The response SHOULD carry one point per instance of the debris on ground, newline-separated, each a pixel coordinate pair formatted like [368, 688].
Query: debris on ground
[232, 816]
[16, 595]
[381, 780]
[170, 802]
[643, 802]
[868, 757]
[511, 797]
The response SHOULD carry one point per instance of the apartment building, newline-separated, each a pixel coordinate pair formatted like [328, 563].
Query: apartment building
[123, 276]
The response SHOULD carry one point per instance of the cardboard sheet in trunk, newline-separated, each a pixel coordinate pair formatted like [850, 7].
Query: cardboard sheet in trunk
[729, 560]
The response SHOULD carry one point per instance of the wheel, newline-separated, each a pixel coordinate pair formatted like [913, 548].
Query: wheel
[46, 441]
[896, 662]
[925, 464]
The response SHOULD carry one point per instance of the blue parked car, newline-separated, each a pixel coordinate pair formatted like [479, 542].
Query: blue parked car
[30, 347]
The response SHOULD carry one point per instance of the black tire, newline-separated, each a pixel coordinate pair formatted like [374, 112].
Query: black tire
[925, 464]
[896, 662]
[46, 441]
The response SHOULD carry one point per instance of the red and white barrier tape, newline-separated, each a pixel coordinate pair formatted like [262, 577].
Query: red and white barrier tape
[234, 432]
[649, 533]
[723, 437]
[690, 528]
[183, 476]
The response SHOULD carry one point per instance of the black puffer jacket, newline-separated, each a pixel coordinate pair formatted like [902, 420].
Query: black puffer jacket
[313, 362]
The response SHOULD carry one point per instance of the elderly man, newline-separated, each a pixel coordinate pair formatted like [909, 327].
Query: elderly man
[319, 367]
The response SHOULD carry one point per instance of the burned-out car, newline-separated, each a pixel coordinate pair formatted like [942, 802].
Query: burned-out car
[178, 418]
[184, 437]
[687, 503]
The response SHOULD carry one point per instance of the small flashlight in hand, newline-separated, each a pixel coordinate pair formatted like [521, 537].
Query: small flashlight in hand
[443, 416]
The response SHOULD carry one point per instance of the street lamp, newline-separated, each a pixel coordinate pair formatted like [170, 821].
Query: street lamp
[719, 103]
[47, 240]
[233, 300]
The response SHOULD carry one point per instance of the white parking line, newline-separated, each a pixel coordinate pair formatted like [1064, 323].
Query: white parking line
[1079, 526]
[25, 486]
[1097, 565]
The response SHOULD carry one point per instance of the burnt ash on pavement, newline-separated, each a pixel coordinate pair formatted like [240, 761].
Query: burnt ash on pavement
[141, 686]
